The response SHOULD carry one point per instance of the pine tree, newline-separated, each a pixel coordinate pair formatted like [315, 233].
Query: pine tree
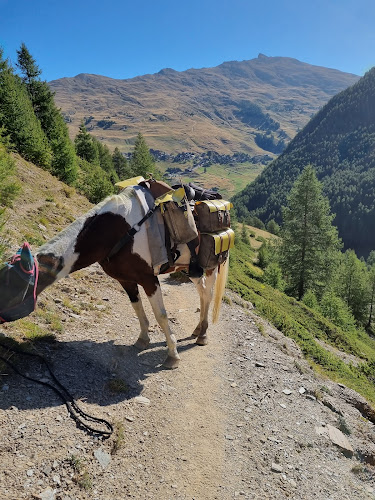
[273, 227]
[244, 234]
[105, 160]
[18, 118]
[85, 147]
[371, 280]
[121, 165]
[310, 242]
[352, 285]
[27, 64]
[64, 162]
[141, 162]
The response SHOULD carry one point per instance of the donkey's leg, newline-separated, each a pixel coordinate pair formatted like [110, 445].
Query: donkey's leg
[205, 287]
[157, 304]
[132, 290]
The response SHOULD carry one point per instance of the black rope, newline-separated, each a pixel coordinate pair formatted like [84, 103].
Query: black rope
[74, 410]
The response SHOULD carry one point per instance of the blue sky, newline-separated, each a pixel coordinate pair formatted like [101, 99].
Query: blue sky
[122, 39]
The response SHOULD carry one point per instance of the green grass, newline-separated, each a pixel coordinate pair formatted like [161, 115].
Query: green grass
[32, 331]
[230, 179]
[306, 326]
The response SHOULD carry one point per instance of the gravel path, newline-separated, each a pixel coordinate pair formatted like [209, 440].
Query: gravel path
[242, 417]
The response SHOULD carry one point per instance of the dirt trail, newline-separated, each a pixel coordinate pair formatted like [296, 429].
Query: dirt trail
[232, 421]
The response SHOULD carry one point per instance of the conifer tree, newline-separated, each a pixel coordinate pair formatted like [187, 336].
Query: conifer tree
[141, 162]
[18, 118]
[27, 64]
[310, 242]
[371, 280]
[85, 147]
[352, 285]
[121, 165]
[244, 234]
[105, 160]
[273, 227]
[64, 163]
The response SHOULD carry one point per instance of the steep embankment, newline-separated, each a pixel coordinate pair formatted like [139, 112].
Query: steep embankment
[244, 416]
[221, 109]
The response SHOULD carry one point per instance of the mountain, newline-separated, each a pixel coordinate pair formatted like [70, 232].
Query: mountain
[339, 143]
[253, 106]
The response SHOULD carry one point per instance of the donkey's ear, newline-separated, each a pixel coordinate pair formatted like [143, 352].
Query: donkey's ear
[27, 260]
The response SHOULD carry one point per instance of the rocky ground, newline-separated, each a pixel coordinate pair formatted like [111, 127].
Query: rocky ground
[242, 417]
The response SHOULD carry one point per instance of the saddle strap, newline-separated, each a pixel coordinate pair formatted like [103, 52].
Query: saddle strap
[129, 235]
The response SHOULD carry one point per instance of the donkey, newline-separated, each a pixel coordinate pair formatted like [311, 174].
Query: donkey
[90, 239]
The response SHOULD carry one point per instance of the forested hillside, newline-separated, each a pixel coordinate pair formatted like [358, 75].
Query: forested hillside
[339, 143]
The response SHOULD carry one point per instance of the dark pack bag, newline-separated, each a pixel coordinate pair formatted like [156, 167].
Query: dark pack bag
[214, 248]
[18, 282]
[212, 215]
[178, 216]
[204, 194]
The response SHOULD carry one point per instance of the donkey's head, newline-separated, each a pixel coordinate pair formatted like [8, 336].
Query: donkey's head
[18, 281]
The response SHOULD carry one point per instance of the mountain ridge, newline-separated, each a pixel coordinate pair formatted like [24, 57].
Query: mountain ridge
[221, 108]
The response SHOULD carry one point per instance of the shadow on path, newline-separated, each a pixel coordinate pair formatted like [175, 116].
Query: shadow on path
[85, 368]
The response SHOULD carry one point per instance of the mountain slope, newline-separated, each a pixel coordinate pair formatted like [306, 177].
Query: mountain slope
[220, 109]
[339, 143]
[244, 416]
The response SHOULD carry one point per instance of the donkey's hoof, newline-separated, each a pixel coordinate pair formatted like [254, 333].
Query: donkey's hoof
[142, 344]
[171, 363]
[197, 331]
[202, 340]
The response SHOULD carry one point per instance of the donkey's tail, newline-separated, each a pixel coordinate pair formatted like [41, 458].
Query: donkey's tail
[219, 289]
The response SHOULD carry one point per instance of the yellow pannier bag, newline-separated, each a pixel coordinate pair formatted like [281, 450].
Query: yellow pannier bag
[213, 215]
[133, 181]
[214, 248]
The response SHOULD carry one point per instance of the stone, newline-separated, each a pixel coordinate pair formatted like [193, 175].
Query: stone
[287, 391]
[302, 390]
[47, 494]
[102, 457]
[56, 479]
[276, 468]
[339, 439]
[142, 400]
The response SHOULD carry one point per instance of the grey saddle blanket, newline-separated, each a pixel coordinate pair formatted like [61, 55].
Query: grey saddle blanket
[154, 227]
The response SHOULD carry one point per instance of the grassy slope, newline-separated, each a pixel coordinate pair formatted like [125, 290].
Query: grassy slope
[44, 207]
[229, 179]
[309, 329]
